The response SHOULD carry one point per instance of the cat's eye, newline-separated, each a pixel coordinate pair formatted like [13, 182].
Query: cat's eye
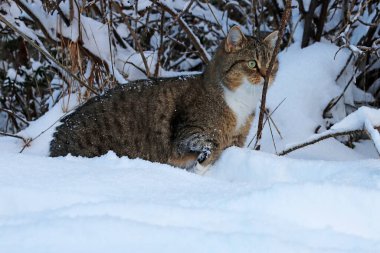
[251, 64]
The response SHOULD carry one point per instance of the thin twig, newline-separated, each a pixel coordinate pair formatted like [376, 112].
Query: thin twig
[138, 45]
[161, 48]
[194, 40]
[134, 65]
[266, 119]
[284, 20]
[368, 24]
[275, 125]
[13, 135]
[345, 66]
[271, 134]
[110, 32]
[217, 21]
[13, 114]
[337, 99]
[184, 11]
[28, 141]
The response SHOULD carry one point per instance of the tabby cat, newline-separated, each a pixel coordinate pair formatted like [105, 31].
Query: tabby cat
[184, 121]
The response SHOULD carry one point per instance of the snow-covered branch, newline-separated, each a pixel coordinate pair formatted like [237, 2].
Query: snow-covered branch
[363, 121]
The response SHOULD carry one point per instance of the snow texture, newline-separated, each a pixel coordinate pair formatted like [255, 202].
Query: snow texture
[249, 201]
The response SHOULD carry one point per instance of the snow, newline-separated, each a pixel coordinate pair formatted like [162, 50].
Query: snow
[14, 76]
[375, 136]
[249, 201]
[356, 120]
[364, 118]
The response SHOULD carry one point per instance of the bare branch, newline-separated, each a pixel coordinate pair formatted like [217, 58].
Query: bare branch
[216, 20]
[110, 32]
[271, 134]
[161, 48]
[13, 135]
[308, 23]
[335, 100]
[322, 20]
[13, 114]
[284, 20]
[195, 40]
[184, 11]
[139, 48]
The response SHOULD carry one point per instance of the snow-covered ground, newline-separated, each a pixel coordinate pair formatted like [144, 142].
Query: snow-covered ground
[323, 198]
[249, 202]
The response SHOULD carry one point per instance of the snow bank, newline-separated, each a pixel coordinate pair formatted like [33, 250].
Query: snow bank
[250, 201]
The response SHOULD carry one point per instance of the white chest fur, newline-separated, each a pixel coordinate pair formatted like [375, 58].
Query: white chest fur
[243, 100]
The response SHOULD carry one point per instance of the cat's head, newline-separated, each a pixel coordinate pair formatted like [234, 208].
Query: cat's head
[241, 59]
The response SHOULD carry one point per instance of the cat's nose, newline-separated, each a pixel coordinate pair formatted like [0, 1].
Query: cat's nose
[263, 72]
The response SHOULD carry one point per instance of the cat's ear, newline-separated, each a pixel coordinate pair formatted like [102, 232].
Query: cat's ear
[271, 39]
[235, 40]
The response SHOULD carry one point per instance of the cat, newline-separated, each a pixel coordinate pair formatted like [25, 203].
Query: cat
[184, 121]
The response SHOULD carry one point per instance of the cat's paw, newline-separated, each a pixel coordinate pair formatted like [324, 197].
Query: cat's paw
[198, 143]
[204, 154]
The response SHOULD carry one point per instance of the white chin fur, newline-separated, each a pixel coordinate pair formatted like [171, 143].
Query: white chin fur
[243, 100]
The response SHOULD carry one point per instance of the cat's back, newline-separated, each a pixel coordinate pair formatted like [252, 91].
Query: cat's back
[128, 119]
